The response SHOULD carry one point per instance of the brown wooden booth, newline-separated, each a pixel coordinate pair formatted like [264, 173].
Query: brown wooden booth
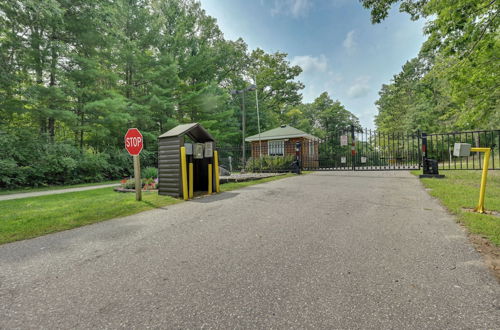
[200, 150]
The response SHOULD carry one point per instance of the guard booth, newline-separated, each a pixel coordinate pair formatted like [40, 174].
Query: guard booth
[187, 162]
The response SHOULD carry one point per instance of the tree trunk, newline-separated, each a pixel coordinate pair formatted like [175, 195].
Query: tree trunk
[52, 83]
[81, 131]
[38, 61]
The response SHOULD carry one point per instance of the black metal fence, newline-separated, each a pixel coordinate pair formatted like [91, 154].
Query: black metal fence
[440, 147]
[373, 151]
[231, 158]
[366, 150]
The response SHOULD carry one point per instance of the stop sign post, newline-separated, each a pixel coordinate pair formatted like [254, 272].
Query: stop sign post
[134, 144]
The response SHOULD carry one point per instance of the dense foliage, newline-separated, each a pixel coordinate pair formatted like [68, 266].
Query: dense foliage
[76, 74]
[453, 84]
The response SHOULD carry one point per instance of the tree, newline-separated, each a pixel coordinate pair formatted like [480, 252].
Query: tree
[457, 86]
[332, 117]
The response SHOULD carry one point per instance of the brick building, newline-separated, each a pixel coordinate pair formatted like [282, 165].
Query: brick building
[281, 141]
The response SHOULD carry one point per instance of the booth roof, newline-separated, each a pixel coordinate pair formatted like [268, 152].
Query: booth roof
[194, 130]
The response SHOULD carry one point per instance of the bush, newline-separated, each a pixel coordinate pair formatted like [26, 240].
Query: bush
[270, 164]
[28, 159]
[120, 164]
[148, 183]
[92, 167]
[150, 173]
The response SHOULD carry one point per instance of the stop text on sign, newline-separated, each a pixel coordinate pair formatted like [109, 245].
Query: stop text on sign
[133, 141]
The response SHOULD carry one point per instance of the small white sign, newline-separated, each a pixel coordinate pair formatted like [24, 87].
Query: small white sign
[209, 149]
[343, 160]
[198, 151]
[343, 140]
[363, 160]
[189, 148]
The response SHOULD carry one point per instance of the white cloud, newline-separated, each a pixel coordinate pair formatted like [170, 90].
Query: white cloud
[360, 88]
[310, 63]
[295, 8]
[349, 43]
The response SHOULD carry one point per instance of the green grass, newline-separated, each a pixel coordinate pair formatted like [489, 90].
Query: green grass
[32, 189]
[36, 216]
[459, 190]
[237, 185]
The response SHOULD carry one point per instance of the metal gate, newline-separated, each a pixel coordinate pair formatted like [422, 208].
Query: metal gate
[355, 149]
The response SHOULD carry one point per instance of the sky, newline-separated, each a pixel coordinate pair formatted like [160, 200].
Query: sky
[334, 42]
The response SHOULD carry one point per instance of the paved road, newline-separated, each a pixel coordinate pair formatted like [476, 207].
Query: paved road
[326, 250]
[53, 192]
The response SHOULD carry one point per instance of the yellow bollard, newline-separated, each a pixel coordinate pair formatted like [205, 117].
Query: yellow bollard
[484, 176]
[216, 162]
[209, 179]
[184, 174]
[191, 178]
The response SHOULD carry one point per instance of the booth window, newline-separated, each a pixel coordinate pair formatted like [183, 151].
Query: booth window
[311, 148]
[276, 148]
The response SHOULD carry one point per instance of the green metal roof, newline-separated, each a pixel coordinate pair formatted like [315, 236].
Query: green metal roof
[282, 132]
[194, 130]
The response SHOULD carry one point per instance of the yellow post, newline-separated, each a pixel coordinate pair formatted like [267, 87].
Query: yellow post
[216, 162]
[209, 179]
[191, 178]
[184, 174]
[484, 176]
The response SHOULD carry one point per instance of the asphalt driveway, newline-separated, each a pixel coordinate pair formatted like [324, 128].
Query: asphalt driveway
[324, 250]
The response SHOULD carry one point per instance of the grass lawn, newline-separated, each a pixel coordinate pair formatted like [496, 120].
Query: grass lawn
[35, 216]
[31, 189]
[460, 189]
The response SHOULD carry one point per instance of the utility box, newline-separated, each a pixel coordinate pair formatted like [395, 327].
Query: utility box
[193, 137]
[461, 149]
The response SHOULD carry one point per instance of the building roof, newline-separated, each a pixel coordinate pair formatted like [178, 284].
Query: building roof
[194, 130]
[282, 132]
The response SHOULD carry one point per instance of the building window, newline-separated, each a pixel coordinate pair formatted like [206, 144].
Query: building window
[276, 148]
[311, 148]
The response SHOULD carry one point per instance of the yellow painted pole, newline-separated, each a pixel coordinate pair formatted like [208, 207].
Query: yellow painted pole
[209, 179]
[216, 162]
[484, 176]
[191, 178]
[184, 174]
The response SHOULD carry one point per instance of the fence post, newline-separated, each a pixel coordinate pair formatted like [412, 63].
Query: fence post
[298, 159]
[353, 148]
[430, 166]
[424, 148]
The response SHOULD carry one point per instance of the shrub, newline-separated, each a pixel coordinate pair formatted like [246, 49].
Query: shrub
[270, 164]
[120, 164]
[150, 173]
[145, 183]
[130, 184]
[28, 159]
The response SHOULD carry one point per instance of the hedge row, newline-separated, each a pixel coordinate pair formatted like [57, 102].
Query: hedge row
[28, 160]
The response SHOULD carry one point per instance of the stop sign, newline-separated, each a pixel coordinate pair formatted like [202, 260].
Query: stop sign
[133, 141]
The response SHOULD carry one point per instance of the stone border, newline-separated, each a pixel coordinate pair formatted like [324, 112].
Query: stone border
[124, 190]
[247, 177]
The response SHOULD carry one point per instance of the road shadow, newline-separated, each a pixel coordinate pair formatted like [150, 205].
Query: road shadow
[214, 198]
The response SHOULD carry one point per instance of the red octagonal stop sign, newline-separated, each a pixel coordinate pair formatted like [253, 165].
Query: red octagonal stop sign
[133, 141]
